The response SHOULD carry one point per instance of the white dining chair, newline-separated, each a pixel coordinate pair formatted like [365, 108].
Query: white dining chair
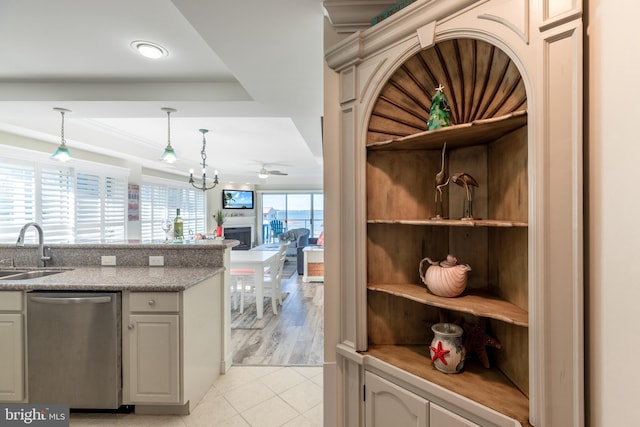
[243, 281]
[273, 282]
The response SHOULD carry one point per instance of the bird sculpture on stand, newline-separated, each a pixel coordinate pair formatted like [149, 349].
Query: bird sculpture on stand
[441, 181]
[465, 180]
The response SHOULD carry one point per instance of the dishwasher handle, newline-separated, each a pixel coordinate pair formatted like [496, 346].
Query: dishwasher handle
[72, 300]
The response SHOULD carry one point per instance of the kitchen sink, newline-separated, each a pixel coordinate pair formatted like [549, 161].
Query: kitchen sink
[11, 272]
[26, 274]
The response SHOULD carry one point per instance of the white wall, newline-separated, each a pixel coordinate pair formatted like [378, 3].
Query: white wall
[613, 230]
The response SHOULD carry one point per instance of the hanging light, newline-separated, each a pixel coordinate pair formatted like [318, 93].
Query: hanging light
[169, 155]
[62, 153]
[203, 154]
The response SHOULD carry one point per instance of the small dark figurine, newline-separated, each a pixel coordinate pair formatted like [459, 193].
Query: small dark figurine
[465, 180]
[477, 340]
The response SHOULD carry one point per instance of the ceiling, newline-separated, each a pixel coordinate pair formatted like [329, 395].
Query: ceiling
[252, 75]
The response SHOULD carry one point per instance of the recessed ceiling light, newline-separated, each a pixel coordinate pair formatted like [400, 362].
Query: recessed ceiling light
[149, 49]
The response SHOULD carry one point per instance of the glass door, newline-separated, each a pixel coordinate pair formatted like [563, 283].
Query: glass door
[293, 210]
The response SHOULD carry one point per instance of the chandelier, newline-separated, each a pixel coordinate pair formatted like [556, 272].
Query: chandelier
[203, 186]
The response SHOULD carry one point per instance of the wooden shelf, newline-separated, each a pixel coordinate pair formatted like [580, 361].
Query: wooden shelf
[478, 132]
[488, 387]
[452, 222]
[472, 301]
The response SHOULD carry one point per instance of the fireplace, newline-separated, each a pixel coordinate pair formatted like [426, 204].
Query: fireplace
[243, 234]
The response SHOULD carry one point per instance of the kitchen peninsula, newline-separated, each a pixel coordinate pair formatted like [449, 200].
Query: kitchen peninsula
[172, 315]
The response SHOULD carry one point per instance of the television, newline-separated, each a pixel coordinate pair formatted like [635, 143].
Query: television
[237, 199]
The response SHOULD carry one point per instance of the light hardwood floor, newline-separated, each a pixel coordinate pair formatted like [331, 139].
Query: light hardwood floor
[293, 337]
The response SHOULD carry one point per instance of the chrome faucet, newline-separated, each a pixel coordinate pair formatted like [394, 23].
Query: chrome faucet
[20, 241]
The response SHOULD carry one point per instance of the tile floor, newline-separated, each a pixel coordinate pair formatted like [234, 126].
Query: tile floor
[256, 396]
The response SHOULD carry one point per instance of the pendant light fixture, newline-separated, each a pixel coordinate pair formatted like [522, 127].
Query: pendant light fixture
[169, 155]
[62, 153]
[203, 154]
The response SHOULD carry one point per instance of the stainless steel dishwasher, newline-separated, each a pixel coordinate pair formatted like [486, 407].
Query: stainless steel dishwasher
[74, 349]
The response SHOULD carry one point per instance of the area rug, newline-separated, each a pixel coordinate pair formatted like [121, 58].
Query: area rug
[248, 320]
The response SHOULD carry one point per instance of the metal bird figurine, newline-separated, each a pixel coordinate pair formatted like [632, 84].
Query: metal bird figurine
[465, 180]
[441, 181]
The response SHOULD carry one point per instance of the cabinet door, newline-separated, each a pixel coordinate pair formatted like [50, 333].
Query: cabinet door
[387, 404]
[154, 358]
[441, 417]
[11, 358]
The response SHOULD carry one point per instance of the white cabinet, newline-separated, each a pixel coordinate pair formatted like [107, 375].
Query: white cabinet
[11, 357]
[154, 358]
[12, 353]
[153, 336]
[441, 417]
[389, 405]
[172, 346]
[313, 264]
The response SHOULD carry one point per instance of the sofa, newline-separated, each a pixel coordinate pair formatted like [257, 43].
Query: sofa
[298, 238]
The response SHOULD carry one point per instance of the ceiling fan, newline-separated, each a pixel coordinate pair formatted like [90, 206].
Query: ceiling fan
[264, 173]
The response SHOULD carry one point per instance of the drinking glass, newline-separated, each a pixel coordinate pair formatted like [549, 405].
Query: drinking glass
[167, 226]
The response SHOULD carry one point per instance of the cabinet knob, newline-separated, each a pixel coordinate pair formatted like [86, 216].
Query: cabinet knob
[130, 326]
[152, 302]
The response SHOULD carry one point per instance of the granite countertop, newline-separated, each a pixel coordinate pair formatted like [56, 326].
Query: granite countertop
[146, 279]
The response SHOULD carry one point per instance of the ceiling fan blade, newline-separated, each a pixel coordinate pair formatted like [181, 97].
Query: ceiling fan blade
[278, 173]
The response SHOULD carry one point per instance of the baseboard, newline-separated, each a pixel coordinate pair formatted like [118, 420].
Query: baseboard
[162, 409]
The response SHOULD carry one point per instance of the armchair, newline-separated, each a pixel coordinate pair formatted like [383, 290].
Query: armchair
[298, 238]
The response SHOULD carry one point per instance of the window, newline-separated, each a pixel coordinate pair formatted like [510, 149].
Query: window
[160, 201]
[71, 205]
[295, 210]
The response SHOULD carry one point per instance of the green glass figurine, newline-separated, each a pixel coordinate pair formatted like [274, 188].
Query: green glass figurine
[439, 113]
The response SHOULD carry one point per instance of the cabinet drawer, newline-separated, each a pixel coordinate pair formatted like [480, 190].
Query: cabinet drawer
[11, 301]
[154, 301]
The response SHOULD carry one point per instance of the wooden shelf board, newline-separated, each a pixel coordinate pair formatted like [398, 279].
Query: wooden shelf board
[488, 387]
[477, 132]
[452, 222]
[472, 301]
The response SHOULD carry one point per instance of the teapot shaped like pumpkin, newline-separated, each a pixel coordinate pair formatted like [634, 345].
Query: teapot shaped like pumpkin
[446, 278]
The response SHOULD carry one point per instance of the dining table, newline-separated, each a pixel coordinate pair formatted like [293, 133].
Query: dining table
[256, 261]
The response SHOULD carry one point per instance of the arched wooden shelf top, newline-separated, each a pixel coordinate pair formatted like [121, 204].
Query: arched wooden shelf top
[480, 83]
[477, 132]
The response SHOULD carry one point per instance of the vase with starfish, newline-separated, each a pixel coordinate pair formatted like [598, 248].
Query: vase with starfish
[446, 349]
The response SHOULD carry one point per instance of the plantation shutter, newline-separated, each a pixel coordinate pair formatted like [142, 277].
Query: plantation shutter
[57, 204]
[192, 204]
[158, 202]
[17, 199]
[153, 210]
[115, 211]
[88, 208]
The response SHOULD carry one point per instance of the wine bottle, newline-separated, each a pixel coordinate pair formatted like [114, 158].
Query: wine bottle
[177, 228]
